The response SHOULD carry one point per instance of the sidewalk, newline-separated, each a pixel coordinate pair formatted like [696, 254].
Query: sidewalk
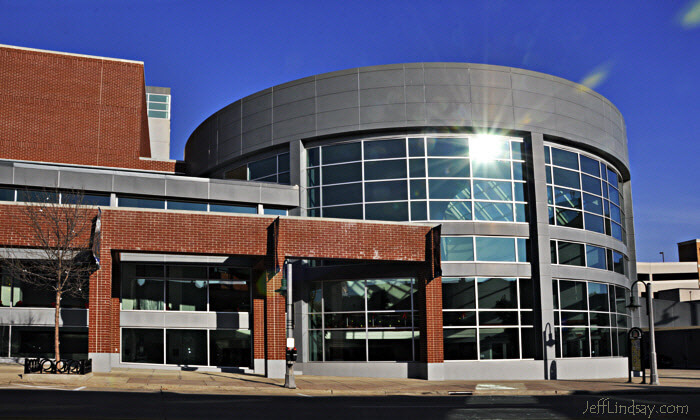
[149, 380]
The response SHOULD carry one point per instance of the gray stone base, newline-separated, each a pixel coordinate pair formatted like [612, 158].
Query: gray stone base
[103, 362]
[259, 366]
[55, 378]
[435, 371]
[276, 368]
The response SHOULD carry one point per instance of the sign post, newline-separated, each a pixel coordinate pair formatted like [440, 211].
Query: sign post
[635, 361]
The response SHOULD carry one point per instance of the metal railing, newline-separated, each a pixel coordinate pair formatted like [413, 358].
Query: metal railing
[64, 366]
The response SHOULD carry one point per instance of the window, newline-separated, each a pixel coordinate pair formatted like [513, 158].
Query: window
[158, 105]
[362, 320]
[583, 193]
[487, 318]
[585, 255]
[591, 319]
[19, 294]
[39, 342]
[200, 288]
[484, 248]
[186, 347]
[439, 180]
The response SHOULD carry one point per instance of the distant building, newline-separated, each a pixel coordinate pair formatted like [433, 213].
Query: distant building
[676, 289]
[678, 281]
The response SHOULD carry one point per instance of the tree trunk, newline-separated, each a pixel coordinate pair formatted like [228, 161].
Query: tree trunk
[57, 320]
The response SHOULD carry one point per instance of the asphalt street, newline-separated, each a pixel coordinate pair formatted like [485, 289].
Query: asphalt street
[35, 403]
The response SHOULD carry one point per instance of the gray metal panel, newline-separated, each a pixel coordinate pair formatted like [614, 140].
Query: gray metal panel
[335, 84]
[567, 272]
[485, 269]
[150, 185]
[493, 115]
[229, 147]
[89, 181]
[257, 120]
[294, 93]
[6, 172]
[295, 126]
[433, 94]
[47, 178]
[439, 75]
[279, 196]
[186, 188]
[491, 95]
[294, 109]
[381, 78]
[382, 113]
[447, 93]
[340, 118]
[230, 192]
[230, 113]
[449, 113]
[382, 96]
[368, 370]
[494, 370]
[340, 100]
[43, 317]
[498, 79]
[580, 235]
[415, 113]
[257, 102]
[485, 228]
[204, 320]
[535, 101]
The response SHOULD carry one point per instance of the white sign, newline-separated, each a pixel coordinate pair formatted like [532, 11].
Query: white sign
[290, 343]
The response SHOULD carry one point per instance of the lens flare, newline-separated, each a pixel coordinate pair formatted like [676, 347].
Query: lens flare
[485, 147]
[690, 16]
[596, 76]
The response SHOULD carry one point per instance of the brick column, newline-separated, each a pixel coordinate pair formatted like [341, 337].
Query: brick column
[103, 317]
[275, 332]
[431, 325]
[258, 326]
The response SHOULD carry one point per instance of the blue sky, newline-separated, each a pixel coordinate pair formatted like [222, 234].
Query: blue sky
[643, 56]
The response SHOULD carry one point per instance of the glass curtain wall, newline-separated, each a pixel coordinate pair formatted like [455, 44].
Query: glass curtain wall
[472, 177]
[584, 192]
[487, 318]
[586, 255]
[484, 248]
[591, 319]
[18, 294]
[274, 169]
[363, 320]
[158, 287]
[31, 341]
[187, 347]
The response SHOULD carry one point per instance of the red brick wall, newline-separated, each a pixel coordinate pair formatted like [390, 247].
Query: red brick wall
[69, 109]
[202, 233]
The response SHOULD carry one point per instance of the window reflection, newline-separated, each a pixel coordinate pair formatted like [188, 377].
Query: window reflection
[442, 178]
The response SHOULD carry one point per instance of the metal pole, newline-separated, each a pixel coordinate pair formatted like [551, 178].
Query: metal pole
[289, 373]
[653, 374]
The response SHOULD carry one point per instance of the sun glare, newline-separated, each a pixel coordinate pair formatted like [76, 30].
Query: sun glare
[486, 147]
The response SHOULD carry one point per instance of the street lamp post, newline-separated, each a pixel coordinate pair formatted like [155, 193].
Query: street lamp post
[289, 359]
[654, 374]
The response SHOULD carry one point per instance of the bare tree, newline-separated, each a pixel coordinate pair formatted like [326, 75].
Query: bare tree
[59, 227]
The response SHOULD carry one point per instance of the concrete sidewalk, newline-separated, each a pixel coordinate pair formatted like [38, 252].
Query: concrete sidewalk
[149, 380]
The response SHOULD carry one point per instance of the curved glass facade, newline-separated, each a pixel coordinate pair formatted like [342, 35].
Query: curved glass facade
[583, 192]
[487, 318]
[471, 177]
[591, 319]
